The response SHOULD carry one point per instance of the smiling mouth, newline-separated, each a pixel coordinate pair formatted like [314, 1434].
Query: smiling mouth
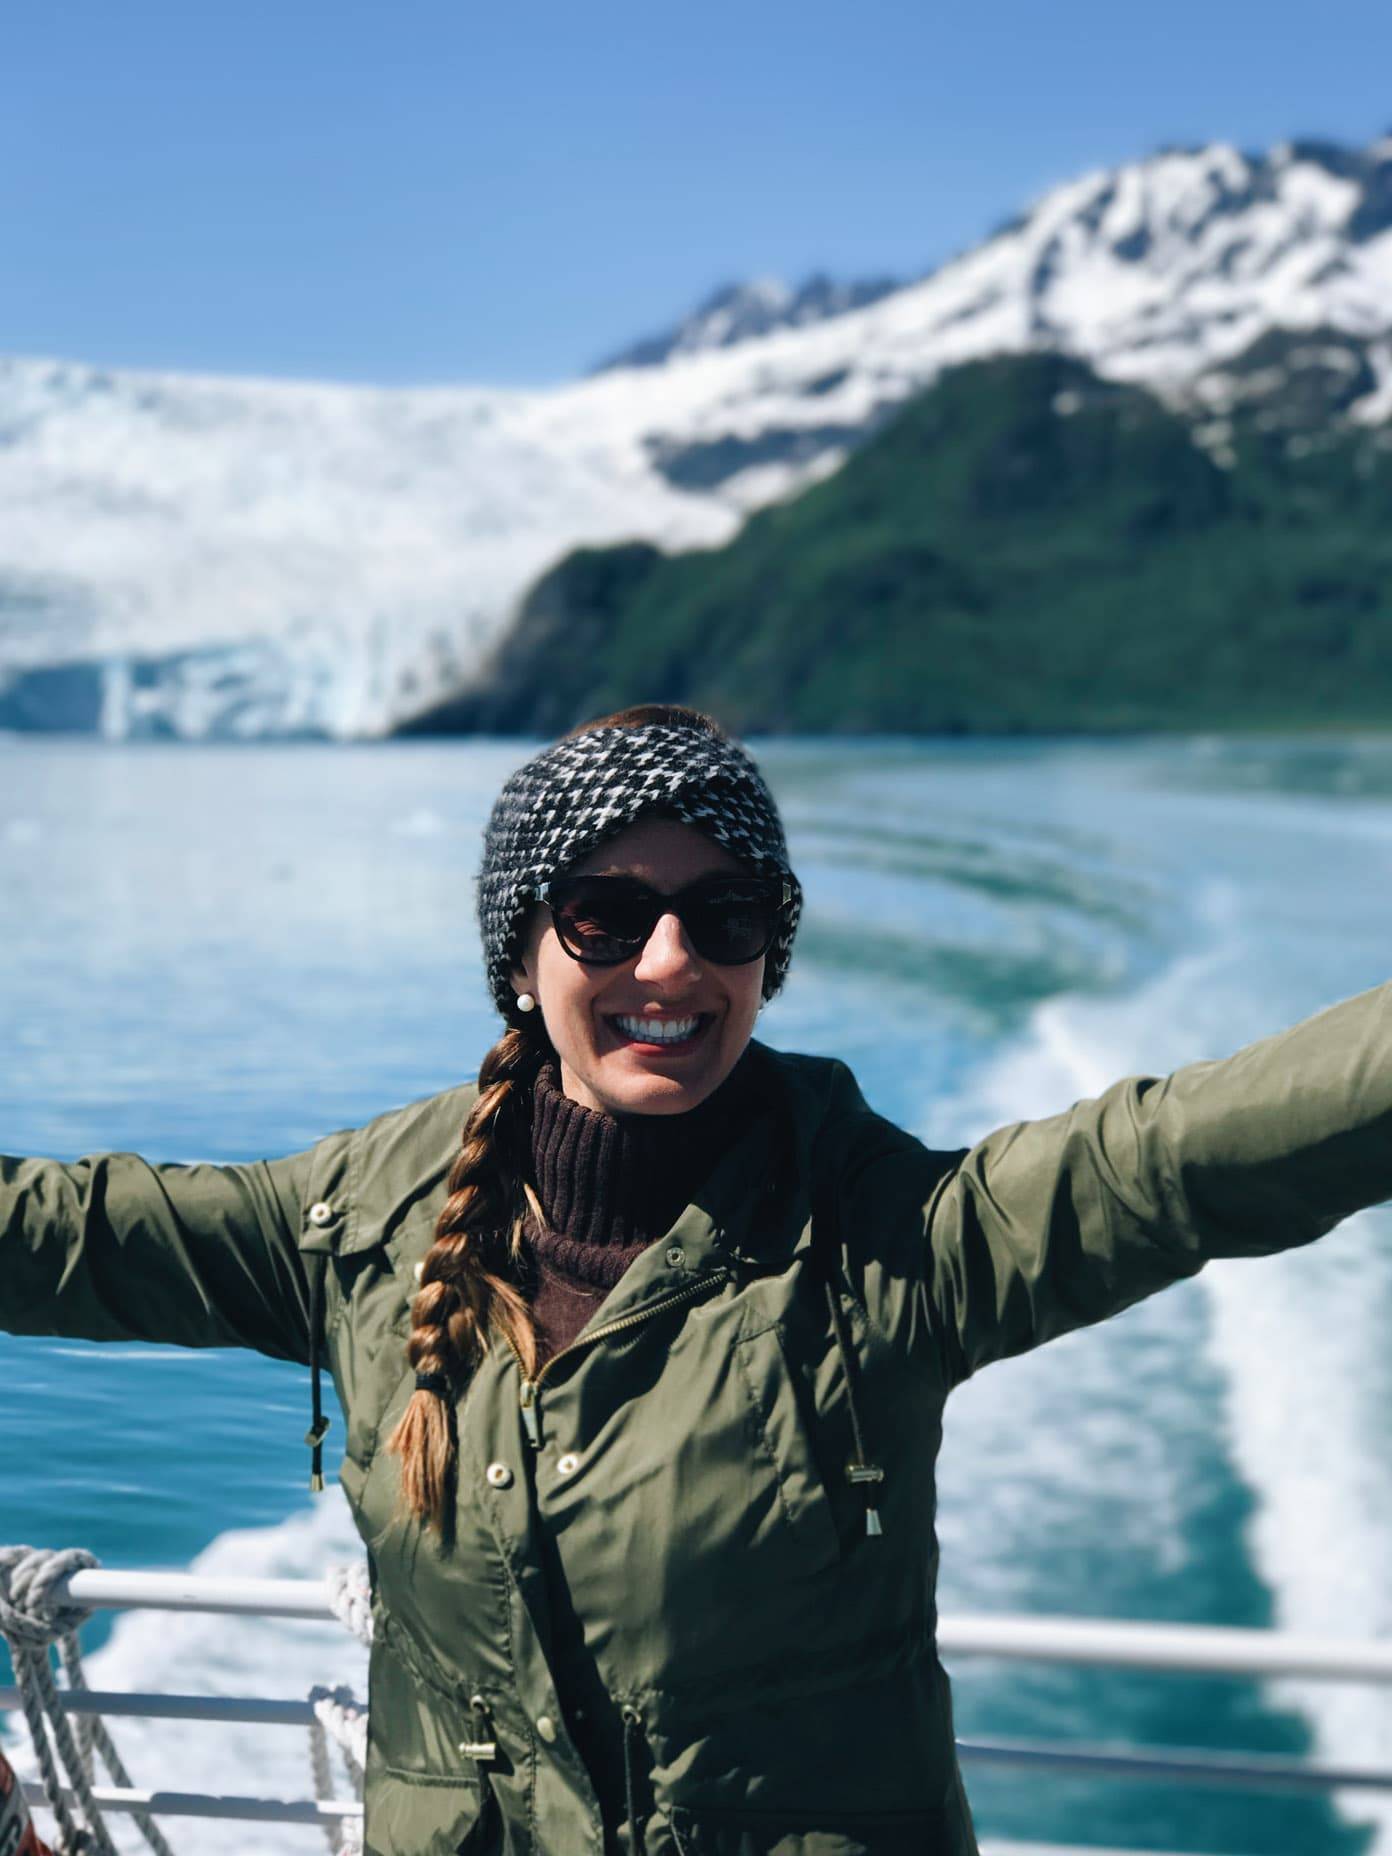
[673, 1033]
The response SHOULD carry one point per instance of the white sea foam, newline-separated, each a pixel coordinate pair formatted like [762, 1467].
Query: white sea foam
[1300, 1339]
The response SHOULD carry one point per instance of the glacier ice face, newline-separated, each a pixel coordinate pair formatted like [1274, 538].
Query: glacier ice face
[204, 557]
[224, 539]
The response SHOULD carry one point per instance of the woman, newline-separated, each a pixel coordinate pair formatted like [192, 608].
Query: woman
[644, 1378]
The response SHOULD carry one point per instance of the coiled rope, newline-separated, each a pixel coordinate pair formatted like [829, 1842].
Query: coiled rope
[336, 1712]
[34, 1617]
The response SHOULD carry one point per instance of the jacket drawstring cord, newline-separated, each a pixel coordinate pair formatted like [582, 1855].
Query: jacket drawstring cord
[319, 1424]
[783, 1163]
[860, 1472]
[633, 1730]
[866, 1475]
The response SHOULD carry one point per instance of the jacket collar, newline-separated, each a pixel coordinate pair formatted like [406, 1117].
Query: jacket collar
[382, 1183]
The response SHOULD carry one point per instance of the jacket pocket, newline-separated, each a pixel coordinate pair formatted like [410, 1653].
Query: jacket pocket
[420, 1814]
[783, 1408]
[424, 1796]
[739, 1832]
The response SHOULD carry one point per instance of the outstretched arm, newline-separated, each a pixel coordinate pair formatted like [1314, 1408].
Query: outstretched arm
[114, 1248]
[1049, 1225]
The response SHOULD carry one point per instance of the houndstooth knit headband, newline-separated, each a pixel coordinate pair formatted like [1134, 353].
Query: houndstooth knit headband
[565, 801]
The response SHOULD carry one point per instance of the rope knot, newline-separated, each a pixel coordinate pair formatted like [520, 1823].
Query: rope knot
[33, 1614]
[350, 1598]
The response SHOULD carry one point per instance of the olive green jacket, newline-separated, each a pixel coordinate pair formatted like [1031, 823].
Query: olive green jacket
[660, 1602]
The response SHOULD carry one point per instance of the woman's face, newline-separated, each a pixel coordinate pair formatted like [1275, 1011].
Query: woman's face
[589, 1011]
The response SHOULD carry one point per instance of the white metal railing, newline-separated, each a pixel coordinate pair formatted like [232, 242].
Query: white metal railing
[1198, 1648]
[1175, 1647]
[1202, 1649]
[204, 1804]
[186, 1591]
[227, 1709]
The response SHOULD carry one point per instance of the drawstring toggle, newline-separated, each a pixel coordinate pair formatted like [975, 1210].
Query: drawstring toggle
[483, 1747]
[314, 1437]
[871, 1475]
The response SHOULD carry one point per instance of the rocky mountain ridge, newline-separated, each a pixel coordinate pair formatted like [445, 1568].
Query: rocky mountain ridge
[739, 312]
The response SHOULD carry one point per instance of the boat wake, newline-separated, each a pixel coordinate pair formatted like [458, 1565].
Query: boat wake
[1298, 1343]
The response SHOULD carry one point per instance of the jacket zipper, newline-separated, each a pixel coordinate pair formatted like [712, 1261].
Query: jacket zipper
[529, 1388]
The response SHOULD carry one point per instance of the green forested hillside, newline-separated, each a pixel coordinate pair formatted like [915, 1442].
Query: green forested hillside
[1022, 548]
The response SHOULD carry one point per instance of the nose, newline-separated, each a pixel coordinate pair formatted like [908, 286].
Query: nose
[668, 959]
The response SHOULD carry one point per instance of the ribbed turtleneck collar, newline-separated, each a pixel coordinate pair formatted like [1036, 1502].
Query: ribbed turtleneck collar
[620, 1180]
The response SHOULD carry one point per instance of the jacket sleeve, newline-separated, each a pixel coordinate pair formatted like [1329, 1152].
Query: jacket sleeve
[1045, 1226]
[114, 1248]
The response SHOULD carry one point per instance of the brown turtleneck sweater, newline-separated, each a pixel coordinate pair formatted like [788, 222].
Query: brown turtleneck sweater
[609, 1186]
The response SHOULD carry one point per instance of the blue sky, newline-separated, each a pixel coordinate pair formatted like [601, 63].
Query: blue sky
[414, 192]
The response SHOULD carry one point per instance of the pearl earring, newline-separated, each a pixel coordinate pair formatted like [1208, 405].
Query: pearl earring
[525, 1002]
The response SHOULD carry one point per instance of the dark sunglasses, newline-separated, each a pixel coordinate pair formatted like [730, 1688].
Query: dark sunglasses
[605, 920]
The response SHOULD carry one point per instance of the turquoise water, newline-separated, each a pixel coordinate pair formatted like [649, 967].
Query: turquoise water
[222, 953]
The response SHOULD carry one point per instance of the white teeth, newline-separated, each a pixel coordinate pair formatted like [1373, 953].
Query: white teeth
[658, 1030]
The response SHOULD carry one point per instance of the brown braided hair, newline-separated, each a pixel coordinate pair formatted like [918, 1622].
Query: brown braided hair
[470, 1290]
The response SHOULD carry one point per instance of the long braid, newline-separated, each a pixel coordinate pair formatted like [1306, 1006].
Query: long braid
[467, 1292]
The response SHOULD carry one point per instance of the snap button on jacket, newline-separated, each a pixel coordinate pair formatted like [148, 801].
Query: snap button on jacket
[667, 1624]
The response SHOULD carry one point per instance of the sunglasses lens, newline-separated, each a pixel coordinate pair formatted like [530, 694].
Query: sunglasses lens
[733, 924]
[603, 925]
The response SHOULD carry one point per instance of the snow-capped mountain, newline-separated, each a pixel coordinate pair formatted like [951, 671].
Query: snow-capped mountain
[207, 556]
[737, 312]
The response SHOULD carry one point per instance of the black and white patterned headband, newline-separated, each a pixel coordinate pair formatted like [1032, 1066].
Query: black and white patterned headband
[589, 787]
